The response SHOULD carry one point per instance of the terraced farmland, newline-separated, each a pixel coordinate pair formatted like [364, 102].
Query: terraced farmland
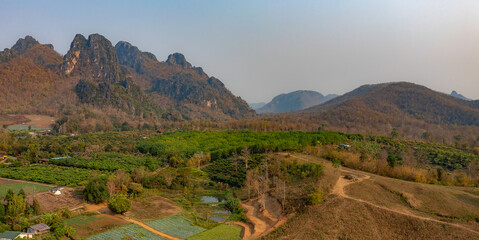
[132, 231]
[175, 226]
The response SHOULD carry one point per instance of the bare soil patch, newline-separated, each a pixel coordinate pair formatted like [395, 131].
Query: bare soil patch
[92, 225]
[40, 120]
[70, 197]
[12, 119]
[265, 214]
[153, 207]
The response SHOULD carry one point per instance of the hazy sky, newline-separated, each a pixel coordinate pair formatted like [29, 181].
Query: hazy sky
[263, 48]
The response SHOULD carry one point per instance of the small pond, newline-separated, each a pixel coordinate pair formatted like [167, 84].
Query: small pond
[217, 219]
[217, 198]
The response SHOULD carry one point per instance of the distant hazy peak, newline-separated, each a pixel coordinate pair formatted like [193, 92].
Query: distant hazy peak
[460, 96]
[257, 105]
[293, 101]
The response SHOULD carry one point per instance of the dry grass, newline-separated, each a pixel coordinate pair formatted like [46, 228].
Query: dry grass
[153, 207]
[340, 218]
[90, 225]
[40, 120]
[447, 201]
[330, 175]
[372, 192]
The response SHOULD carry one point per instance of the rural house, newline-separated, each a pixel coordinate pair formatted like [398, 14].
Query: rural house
[38, 229]
[9, 235]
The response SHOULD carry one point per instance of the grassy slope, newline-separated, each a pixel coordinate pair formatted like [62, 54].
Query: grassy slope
[221, 232]
[29, 188]
[340, 218]
[442, 201]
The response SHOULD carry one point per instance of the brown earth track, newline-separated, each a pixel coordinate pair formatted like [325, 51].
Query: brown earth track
[262, 221]
[103, 209]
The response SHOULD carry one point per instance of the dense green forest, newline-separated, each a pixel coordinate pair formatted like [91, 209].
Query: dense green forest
[222, 153]
[225, 144]
[109, 161]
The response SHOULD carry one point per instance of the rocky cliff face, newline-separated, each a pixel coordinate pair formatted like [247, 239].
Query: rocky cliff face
[94, 59]
[131, 56]
[20, 47]
[178, 59]
[180, 81]
[109, 83]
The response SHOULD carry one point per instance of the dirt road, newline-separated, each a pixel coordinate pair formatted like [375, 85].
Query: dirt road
[96, 207]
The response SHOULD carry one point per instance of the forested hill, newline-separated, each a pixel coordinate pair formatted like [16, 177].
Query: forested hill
[101, 82]
[401, 99]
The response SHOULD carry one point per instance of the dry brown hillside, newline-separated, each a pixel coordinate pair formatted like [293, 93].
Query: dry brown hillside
[375, 207]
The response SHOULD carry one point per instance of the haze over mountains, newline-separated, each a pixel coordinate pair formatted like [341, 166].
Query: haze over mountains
[293, 101]
[458, 95]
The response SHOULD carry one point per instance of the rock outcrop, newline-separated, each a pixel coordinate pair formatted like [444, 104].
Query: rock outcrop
[94, 59]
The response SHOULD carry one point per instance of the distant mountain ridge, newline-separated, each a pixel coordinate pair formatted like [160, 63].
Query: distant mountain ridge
[257, 105]
[99, 81]
[294, 101]
[391, 100]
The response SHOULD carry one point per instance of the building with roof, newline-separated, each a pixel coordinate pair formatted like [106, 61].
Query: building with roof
[38, 229]
[9, 235]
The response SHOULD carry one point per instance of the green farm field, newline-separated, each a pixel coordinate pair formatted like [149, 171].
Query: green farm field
[94, 224]
[132, 231]
[221, 232]
[28, 187]
[175, 226]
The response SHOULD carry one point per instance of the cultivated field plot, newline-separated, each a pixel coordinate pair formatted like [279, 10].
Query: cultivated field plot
[132, 231]
[221, 232]
[65, 176]
[175, 226]
[33, 122]
[90, 225]
[29, 188]
[70, 197]
[153, 207]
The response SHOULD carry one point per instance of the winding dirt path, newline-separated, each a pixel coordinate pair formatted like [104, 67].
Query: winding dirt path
[342, 183]
[262, 221]
[246, 233]
[259, 225]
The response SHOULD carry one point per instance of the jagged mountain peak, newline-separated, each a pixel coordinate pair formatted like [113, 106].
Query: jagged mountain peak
[460, 96]
[126, 46]
[178, 59]
[30, 46]
[119, 81]
[94, 58]
[131, 56]
[23, 44]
